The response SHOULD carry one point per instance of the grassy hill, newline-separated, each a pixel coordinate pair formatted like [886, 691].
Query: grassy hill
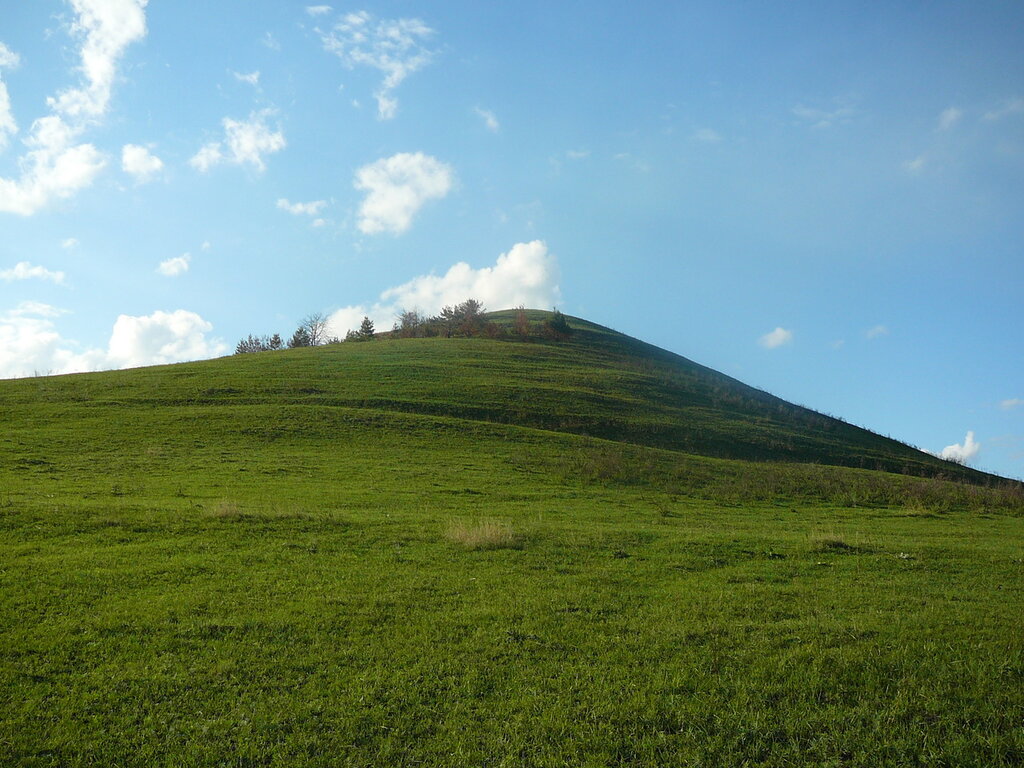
[491, 552]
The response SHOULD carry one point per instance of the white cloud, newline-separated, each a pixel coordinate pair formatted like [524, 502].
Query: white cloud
[69, 243]
[30, 342]
[397, 187]
[917, 164]
[319, 222]
[392, 46]
[489, 118]
[962, 453]
[252, 78]
[54, 166]
[162, 337]
[23, 270]
[1014, 106]
[578, 154]
[301, 209]
[776, 338]
[140, 162]
[8, 58]
[707, 136]
[878, 330]
[528, 275]
[245, 143]
[949, 117]
[8, 126]
[175, 266]
[207, 157]
[1012, 402]
[318, 10]
[106, 28]
[823, 118]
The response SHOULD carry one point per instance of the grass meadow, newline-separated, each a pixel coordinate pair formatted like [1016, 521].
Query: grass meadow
[225, 580]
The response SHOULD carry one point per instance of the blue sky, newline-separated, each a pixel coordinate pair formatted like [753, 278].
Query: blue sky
[822, 199]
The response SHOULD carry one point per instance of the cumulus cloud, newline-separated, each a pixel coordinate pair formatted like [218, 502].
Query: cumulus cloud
[489, 118]
[395, 47]
[139, 162]
[961, 452]
[23, 270]
[1011, 403]
[245, 143]
[949, 117]
[527, 275]
[8, 58]
[301, 209]
[31, 344]
[175, 266]
[397, 187]
[54, 165]
[776, 338]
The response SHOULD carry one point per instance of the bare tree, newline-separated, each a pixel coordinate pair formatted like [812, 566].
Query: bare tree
[316, 327]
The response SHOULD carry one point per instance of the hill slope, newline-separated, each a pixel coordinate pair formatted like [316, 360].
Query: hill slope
[415, 553]
[597, 383]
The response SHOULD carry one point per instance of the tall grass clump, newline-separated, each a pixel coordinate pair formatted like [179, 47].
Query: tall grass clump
[483, 534]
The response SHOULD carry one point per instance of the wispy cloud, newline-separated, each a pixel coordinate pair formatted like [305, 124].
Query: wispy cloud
[776, 338]
[395, 47]
[707, 136]
[245, 142]
[25, 270]
[397, 187]
[1013, 106]
[876, 331]
[55, 166]
[252, 78]
[916, 165]
[823, 118]
[489, 119]
[175, 266]
[318, 10]
[949, 117]
[301, 209]
[1011, 403]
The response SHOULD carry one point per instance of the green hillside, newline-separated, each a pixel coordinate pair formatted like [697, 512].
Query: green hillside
[475, 551]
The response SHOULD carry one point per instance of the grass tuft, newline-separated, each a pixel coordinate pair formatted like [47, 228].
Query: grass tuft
[483, 534]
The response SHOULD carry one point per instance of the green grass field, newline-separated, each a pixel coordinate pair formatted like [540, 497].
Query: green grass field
[467, 552]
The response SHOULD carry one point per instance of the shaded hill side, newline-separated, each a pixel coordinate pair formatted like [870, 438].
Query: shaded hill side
[597, 383]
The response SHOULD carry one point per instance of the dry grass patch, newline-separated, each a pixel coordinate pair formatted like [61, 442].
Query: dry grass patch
[231, 510]
[483, 534]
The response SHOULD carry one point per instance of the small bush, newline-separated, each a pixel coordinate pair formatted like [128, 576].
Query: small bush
[483, 534]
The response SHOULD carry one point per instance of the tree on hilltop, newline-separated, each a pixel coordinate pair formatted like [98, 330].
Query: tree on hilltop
[557, 326]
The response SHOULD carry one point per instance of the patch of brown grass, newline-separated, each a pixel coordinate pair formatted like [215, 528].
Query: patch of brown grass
[483, 534]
